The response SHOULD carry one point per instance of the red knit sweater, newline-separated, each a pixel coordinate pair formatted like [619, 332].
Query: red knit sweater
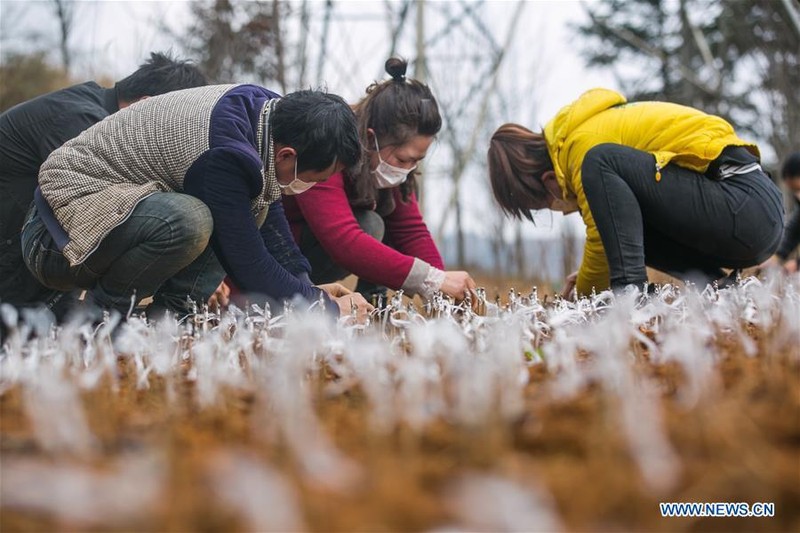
[327, 211]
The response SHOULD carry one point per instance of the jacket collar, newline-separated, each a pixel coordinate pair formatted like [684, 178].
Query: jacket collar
[110, 100]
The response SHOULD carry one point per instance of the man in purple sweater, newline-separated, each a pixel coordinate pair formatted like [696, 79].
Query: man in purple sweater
[167, 196]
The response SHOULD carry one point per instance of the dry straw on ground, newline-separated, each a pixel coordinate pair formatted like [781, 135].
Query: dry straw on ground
[564, 416]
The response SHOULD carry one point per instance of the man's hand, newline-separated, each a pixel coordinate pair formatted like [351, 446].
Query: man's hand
[457, 283]
[335, 290]
[347, 302]
[569, 286]
[220, 298]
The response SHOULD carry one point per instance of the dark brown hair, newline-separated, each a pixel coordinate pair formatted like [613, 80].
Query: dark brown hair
[517, 159]
[791, 167]
[396, 109]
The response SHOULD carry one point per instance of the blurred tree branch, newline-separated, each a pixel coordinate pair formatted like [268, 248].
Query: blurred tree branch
[739, 60]
[65, 13]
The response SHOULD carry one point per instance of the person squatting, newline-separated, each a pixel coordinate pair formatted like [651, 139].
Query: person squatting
[167, 191]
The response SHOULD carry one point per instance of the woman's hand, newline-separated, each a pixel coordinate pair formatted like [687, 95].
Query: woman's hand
[347, 302]
[457, 283]
[220, 298]
[569, 286]
[335, 290]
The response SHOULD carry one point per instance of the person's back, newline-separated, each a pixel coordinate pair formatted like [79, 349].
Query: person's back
[791, 235]
[30, 131]
[95, 179]
[163, 198]
[671, 132]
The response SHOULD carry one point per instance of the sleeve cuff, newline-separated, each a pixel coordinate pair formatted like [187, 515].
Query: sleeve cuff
[423, 279]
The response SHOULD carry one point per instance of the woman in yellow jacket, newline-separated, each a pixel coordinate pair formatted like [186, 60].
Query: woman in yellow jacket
[656, 183]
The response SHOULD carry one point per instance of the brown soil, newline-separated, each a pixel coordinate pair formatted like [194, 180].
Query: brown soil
[740, 444]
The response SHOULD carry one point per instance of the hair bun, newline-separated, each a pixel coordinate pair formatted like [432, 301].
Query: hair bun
[396, 68]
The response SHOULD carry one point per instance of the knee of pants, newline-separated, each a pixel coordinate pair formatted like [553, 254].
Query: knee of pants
[372, 223]
[191, 225]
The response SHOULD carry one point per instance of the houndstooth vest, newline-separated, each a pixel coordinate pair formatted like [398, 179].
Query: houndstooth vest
[94, 181]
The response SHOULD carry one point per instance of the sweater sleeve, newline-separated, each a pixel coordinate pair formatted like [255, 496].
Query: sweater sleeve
[791, 235]
[280, 244]
[226, 181]
[326, 210]
[408, 232]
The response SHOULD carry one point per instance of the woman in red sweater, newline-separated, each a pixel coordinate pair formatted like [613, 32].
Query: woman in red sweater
[367, 222]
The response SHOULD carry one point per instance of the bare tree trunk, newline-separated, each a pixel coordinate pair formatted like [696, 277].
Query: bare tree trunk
[65, 13]
[569, 245]
[460, 253]
[498, 243]
[519, 251]
[326, 24]
[396, 29]
[421, 74]
[793, 16]
[280, 73]
[302, 56]
[463, 155]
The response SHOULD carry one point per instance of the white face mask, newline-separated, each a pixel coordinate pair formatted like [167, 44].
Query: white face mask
[296, 186]
[388, 176]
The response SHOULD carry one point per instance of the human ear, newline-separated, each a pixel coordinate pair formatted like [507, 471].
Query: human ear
[372, 138]
[285, 153]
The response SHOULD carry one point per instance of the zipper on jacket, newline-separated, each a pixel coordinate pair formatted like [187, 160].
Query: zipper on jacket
[658, 171]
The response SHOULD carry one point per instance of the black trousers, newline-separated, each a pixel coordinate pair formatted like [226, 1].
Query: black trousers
[17, 285]
[324, 270]
[686, 224]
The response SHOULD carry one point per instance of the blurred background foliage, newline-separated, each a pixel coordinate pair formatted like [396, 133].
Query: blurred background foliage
[737, 59]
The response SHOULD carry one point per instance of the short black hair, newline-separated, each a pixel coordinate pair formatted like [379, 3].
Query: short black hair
[320, 126]
[791, 167]
[158, 75]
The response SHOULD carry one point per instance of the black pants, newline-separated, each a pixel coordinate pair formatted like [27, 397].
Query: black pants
[686, 224]
[324, 270]
[17, 285]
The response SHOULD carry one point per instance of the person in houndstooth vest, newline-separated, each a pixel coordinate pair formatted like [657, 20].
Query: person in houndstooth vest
[165, 197]
[31, 130]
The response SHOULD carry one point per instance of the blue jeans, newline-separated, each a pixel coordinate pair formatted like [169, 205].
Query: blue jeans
[687, 224]
[162, 250]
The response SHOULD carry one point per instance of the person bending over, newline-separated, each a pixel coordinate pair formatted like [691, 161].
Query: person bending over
[657, 184]
[366, 220]
[164, 197]
[791, 233]
[30, 131]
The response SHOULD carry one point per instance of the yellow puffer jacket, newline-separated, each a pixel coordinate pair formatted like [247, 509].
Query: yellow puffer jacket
[671, 132]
